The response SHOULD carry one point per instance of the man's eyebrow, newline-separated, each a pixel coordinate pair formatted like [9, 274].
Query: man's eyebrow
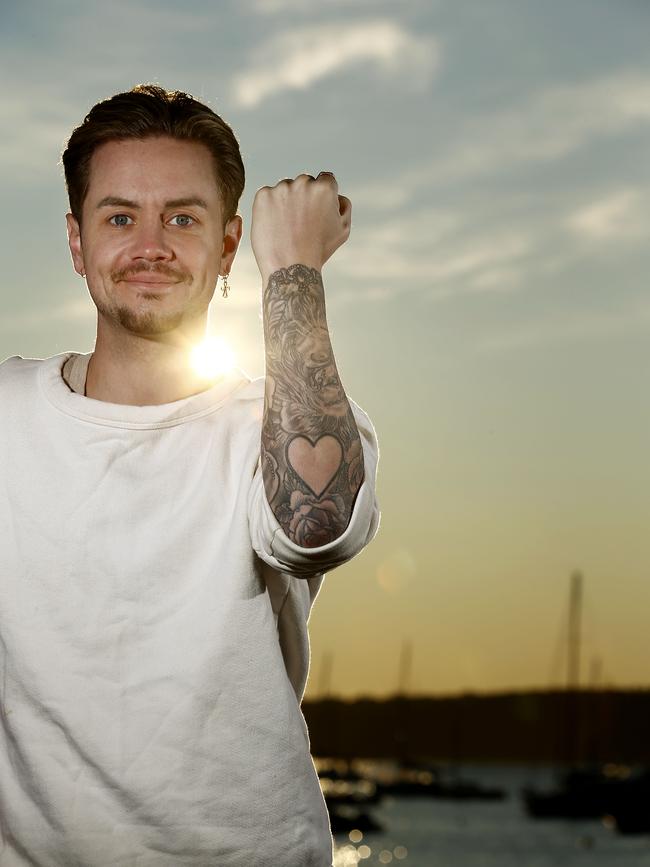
[184, 202]
[187, 202]
[115, 201]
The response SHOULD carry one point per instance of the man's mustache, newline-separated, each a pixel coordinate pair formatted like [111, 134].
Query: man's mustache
[137, 271]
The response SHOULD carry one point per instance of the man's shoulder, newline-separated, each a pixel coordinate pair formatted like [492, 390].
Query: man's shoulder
[18, 374]
[16, 366]
[251, 390]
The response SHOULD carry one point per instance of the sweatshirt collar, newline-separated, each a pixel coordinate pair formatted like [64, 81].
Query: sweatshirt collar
[60, 395]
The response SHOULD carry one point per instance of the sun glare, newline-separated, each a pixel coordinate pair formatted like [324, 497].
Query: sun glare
[212, 357]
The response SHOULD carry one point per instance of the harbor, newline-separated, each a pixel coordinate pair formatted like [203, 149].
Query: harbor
[439, 832]
[546, 777]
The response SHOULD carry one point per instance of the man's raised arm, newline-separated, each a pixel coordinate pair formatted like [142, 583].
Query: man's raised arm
[311, 454]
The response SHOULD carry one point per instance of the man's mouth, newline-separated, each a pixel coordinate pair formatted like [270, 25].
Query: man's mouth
[154, 281]
[154, 285]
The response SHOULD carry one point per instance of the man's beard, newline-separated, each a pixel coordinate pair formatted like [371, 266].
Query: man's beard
[148, 323]
[145, 318]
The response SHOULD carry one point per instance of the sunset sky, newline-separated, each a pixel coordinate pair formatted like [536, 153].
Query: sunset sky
[490, 310]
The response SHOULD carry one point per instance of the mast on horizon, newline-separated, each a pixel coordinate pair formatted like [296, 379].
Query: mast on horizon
[325, 675]
[405, 661]
[575, 612]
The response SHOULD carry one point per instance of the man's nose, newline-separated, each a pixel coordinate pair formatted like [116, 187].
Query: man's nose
[149, 241]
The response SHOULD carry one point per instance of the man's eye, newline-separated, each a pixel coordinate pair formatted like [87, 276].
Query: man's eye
[120, 219]
[185, 218]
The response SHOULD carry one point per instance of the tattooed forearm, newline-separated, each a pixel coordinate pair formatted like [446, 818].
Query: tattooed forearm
[312, 461]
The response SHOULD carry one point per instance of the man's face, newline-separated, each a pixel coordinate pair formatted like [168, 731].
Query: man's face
[152, 242]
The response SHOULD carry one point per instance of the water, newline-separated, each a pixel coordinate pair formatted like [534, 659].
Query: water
[439, 833]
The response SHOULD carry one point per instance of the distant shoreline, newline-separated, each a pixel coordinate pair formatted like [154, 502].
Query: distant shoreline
[547, 726]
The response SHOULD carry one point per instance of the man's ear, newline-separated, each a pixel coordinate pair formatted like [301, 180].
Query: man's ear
[74, 242]
[232, 237]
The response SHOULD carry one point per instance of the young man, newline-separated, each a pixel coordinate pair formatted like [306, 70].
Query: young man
[162, 538]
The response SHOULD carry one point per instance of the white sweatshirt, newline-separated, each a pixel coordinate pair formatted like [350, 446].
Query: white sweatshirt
[153, 631]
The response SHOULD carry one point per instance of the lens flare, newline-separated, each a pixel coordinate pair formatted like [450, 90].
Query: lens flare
[212, 357]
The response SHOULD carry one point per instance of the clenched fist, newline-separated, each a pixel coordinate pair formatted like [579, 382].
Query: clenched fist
[298, 221]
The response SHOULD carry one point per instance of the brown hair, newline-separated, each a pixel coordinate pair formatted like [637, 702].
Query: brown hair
[148, 110]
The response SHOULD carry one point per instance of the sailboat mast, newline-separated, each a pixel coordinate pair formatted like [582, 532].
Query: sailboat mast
[325, 675]
[406, 658]
[575, 611]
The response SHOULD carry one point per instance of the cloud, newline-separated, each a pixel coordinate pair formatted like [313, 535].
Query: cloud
[554, 123]
[69, 311]
[297, 59]
[272, 7]
[623, 215]
[35, 133]
[386, 195]
[46, 97]
[520, 243]
[523, 236]
[437, 250]
[548, 125]
[573, 326]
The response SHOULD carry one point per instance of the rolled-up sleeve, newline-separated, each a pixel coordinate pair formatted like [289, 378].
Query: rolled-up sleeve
[271, 543]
